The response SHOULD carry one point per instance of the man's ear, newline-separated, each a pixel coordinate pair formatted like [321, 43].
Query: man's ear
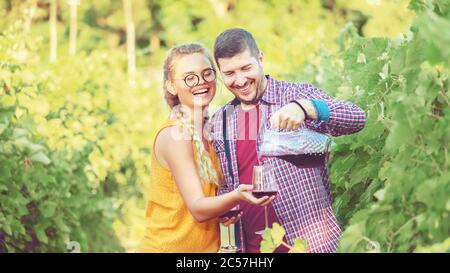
[170, 88]
[261, 59]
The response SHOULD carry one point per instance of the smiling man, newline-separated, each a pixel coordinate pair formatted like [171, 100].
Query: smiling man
[304, 203]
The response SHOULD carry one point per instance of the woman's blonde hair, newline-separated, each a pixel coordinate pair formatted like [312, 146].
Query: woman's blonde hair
[203, 162]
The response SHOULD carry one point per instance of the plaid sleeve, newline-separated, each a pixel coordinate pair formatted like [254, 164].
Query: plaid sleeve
[344, 117]
[215, 130]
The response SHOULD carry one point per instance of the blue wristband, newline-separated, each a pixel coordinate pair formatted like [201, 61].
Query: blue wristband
[323, 113]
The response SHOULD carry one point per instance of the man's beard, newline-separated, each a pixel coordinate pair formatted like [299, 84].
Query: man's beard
[258, 94]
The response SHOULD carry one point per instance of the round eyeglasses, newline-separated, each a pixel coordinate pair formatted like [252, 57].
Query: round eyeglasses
[208, 75]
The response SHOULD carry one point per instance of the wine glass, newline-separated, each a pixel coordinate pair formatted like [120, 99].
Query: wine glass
[264, 184]
[230, 248]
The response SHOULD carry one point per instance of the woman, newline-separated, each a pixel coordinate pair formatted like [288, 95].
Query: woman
[183, 208]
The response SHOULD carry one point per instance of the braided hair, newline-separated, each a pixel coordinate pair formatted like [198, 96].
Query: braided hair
[203, 162]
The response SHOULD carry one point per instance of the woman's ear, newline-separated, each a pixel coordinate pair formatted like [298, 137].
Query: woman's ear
[170, 88]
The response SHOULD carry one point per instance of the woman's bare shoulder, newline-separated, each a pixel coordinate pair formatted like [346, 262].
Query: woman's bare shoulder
[173, 140]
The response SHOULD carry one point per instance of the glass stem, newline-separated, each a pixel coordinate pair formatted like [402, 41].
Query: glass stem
[229, 236]
[265, 216]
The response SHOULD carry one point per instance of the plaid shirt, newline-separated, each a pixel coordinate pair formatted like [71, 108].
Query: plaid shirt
[304, 202]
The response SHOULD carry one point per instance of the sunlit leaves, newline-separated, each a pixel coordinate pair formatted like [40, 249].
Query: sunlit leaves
[272, 238]
[400, 182]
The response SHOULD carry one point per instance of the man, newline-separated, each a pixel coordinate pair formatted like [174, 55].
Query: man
[304, 203]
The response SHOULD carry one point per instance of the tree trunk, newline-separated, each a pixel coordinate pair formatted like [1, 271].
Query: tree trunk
[130, 42]
[155, 41]
[219, 8]
[156, 27]
[53, 34]
[329, 4]
[31, 11]
[73, 28]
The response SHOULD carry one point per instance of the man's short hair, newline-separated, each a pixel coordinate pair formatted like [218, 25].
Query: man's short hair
[234, 41]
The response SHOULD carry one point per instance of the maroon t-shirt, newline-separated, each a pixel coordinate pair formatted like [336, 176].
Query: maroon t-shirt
[253, 216]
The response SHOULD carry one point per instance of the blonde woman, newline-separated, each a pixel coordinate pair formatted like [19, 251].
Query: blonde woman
[183, 209]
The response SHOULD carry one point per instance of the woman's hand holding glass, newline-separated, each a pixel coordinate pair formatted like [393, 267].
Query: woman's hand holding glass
[229, 220]
[246, 194]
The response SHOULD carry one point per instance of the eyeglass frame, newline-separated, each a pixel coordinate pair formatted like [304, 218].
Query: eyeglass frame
[198, 77]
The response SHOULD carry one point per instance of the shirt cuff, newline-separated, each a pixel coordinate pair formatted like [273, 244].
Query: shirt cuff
[323, 113]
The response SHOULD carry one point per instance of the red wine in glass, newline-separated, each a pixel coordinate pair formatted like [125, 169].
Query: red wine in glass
[231, 213]
[261, 193]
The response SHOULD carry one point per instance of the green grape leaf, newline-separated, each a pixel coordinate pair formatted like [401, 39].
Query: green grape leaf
[19, 132]
[442, 247]
[41, 157]
[380, 194]
[277, 233]
[48, 208]
[42, 237]
[361, 58]
[7, 228]
[267, 245]
[350, 238]
[272, 238]
[299, 246]
[2, 128]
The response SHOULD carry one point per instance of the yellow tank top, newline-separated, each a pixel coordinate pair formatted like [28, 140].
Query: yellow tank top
[170, 225]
